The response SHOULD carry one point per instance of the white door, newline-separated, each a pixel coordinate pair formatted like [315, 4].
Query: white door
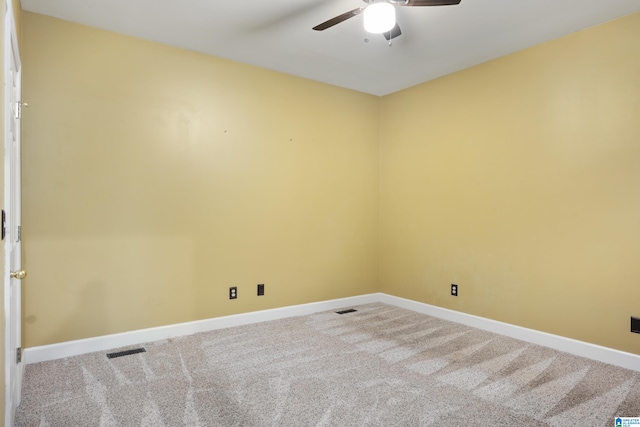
[12, 203]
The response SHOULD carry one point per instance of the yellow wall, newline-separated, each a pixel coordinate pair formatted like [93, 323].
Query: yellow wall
[519, 180]
[156, 178]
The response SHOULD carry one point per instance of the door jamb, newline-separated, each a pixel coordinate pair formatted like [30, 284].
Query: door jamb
[11, 40]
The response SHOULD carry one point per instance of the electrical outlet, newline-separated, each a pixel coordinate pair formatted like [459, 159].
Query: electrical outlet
[233, 292]
[260, 289]
[454, 290]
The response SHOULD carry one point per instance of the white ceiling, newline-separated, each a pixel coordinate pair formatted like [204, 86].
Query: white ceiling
[277, 34]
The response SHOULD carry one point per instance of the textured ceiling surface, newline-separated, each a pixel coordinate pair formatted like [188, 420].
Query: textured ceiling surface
[278, 35]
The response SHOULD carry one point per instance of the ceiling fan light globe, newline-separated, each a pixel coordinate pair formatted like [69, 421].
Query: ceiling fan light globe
[379, 18]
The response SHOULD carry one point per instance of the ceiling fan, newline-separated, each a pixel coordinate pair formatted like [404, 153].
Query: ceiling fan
[391, 29]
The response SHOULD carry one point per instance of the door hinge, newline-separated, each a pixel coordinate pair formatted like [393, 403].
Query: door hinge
[18, 110]
[19, 234]
[18, 355]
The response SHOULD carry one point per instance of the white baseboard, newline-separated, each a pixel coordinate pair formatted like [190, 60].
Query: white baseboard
[109, 342]
[556, 342]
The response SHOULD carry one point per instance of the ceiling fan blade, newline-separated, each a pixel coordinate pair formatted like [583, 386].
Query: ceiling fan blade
[429, 3]
[338, 19]
[393, 33]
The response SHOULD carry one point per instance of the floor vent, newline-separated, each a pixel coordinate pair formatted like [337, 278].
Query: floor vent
[126, 353]
[351, 310]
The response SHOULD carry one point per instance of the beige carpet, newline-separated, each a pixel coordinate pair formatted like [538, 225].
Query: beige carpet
[379, 366]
